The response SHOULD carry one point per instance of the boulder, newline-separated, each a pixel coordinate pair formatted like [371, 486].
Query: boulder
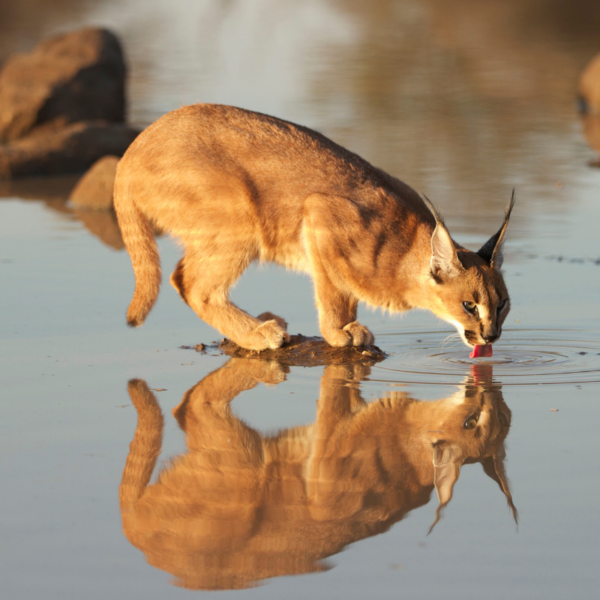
[589, 87]
[77, 76]
[54, 191]
[71, 149]
[62, 106]
[95, 189]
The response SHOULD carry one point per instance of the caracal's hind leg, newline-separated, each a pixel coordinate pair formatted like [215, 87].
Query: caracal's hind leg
[203, 280]
[336, 306]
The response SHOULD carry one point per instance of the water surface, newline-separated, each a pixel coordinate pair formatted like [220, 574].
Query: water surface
[463, 100]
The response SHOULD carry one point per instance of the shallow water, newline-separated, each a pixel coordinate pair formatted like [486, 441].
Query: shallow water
[526, 357]
[459, 100]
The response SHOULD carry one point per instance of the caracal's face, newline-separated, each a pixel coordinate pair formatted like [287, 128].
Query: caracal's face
[476, 301]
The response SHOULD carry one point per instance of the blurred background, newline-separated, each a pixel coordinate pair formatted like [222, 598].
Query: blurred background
[461, 98]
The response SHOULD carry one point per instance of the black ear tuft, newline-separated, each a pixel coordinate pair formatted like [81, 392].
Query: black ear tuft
[491, 251]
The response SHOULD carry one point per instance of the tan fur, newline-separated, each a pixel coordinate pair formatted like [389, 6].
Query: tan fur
[239, 506]
[235, 187]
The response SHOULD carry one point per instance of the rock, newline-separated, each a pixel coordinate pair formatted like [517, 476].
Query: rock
[77, 76]
[95, 189]
[309, 352]
[62, 106]
[69, 150]
[589, 87]
[51, 190]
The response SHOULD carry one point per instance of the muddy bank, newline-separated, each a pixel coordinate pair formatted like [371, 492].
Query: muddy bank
[302, 351]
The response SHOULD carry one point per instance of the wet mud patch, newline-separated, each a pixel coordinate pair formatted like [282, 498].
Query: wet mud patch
[302, 351]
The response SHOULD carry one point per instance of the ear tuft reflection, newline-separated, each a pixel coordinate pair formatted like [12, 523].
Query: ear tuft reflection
[239, 507]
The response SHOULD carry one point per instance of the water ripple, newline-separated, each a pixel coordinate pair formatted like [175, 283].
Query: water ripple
[521, 357]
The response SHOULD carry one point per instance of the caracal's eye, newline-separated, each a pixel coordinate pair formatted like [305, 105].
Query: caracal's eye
[471, 422]
[470, 307]
[503, 419]
[501, 305]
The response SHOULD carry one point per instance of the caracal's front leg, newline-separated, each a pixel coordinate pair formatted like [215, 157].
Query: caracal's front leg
[336, 306]
[337, 316]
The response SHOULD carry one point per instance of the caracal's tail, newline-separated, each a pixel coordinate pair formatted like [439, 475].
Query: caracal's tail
[142, 250]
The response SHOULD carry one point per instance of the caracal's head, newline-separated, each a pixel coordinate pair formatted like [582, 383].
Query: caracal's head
[467, 288]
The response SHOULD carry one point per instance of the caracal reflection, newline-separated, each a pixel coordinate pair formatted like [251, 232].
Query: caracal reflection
[240, 507]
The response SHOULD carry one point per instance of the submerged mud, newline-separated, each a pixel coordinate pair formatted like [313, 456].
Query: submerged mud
[302, 351]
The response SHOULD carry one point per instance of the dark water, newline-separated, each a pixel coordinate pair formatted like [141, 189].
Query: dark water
[316, 472]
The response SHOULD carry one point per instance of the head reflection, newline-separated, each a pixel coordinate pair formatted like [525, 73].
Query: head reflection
[239, 507]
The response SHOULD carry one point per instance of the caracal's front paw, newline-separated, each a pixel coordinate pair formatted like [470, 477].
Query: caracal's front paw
[267, 335]
[360, 335]
[353, 334]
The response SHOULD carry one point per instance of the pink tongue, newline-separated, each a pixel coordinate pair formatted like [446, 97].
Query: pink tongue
[481, 350]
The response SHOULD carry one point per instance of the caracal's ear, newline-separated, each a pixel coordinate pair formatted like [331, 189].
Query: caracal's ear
[492, 250]
[446, 463]
[444, 260]
[494, 468]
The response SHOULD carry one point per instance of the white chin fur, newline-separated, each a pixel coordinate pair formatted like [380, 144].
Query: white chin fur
[461, 332]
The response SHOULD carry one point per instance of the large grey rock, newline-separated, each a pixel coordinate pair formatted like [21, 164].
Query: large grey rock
[76, 76]
[69, 150]
[62, 106]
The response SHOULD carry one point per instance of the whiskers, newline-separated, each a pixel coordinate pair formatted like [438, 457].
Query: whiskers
[450, 341]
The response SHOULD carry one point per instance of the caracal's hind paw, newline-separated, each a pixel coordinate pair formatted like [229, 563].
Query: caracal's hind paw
[360, 335]
[269, 316]
[267, 335]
